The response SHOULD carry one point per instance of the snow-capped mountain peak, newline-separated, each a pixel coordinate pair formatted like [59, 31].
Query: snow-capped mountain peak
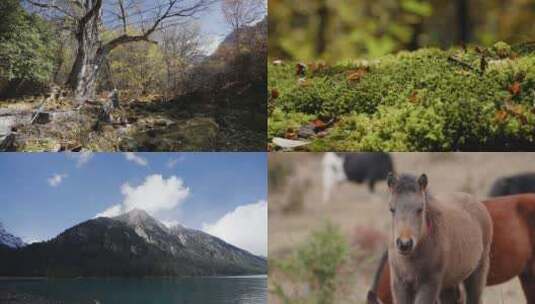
[9, 239]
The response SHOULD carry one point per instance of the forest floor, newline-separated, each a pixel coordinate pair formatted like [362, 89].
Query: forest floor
[143, 123]
[471, 99]
[363, 217]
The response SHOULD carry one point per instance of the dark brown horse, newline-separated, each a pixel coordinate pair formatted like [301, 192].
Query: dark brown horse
[512, 251]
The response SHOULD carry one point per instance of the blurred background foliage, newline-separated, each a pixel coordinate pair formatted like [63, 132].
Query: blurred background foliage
[334, 30]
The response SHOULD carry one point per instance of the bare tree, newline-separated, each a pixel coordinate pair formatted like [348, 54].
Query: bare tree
[240, 13]
[181, 47]
[86, 16]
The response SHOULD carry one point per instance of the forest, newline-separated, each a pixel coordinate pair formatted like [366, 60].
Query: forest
[132, 75]
[401, 75]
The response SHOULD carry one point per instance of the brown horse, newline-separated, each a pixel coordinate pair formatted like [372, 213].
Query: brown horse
[512, 250]
[438, 242]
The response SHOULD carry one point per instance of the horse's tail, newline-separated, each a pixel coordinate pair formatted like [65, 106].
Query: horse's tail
[372, 293]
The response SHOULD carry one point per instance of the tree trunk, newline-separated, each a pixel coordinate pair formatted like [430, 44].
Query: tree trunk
[89, 55]
[60, 60]
[417, 30]
[463, 15]
[323, 15]
[237, 46]
[91, 52]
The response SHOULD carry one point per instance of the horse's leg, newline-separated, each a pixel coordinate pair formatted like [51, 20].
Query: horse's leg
[428, 293]
[477, 281]
[527, 279]
[400, 292]
[371, 185]
[452, 296]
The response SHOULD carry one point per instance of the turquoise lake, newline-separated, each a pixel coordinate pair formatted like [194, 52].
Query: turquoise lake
[205, 290]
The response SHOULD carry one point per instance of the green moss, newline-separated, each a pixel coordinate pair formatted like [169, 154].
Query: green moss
[502, 49]
[279, 122]
[427, 100]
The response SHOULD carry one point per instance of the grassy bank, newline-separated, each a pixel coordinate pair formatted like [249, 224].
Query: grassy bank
[427, 100]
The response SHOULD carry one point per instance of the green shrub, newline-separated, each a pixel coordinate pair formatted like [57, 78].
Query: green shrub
[27, 44]
[427, 100]
[316, 264]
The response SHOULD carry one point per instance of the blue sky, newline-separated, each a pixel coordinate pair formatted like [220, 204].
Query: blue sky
[35, 205]
[212, 23]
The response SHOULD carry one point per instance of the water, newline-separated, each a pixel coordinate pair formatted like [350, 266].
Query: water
[206, 290]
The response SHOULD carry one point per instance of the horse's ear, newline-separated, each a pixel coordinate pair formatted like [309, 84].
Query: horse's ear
[422, 181]
[391, 180]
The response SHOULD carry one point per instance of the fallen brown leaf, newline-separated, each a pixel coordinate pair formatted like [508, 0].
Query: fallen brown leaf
[300, 69]
[274, 94]
[317, 66]
[356, 75]
[319, 124]
[413, 98]
[290, 134]
[515, 89]
[501, 116]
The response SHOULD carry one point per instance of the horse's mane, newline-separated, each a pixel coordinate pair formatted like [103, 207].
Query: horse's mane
[406, 183]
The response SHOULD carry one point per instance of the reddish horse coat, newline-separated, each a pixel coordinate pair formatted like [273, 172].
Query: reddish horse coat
[512, 251]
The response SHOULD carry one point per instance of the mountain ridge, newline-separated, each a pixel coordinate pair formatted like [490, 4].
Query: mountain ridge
[10, 240]
[131, 244]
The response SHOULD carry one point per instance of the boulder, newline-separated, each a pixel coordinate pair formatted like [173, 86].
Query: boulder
[41, 118]
[200, 132]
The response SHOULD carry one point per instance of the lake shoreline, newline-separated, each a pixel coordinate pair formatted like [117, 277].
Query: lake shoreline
[2, 278]
[213, 290]
[10, 296]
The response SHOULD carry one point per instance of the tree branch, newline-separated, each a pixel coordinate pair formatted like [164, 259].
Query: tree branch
[123, 15]
[51, 6]
[94, 10]
[169, 13]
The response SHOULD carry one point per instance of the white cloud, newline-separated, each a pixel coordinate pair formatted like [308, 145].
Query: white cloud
[169, 224]
[244, 227]
[114, 210]
[212, 44]
[81, 158]
[131, 156]
[155, 195]
[56, 179]
[172, 162]
[31, 240]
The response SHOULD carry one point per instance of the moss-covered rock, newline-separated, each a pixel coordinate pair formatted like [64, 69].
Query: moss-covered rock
[200, 132]
[427, 100]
